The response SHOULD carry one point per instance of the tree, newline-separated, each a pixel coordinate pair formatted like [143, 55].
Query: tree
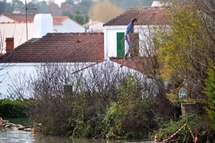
[3, 5]
[53, 8]
[183, 52]
[209, 91]
[41, 6]
[79, 18]
[126, 4]
[104, 11]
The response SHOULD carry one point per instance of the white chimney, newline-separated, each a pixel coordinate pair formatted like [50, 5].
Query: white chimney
[156, 3]
[43, 24]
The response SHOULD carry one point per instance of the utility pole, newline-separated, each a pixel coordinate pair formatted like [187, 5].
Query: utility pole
[26, 16]
[26, 19]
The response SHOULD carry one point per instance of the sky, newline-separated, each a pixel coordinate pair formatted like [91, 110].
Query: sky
[56, 1]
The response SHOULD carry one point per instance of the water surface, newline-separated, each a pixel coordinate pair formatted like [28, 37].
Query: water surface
[16, 136]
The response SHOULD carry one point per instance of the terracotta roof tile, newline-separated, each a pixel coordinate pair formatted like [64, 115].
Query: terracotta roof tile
[15, 22]
[57, 20]
[59, 47]
[143, 65]
[20, 17]
[128, 63]
[145, 16]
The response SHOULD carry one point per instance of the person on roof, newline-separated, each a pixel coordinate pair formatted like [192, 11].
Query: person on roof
[129, 37]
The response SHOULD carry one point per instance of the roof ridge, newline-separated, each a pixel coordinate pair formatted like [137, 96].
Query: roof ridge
[147, 8]
[15, 22]
[76, 33]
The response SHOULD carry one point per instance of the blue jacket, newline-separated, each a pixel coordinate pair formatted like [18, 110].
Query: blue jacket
[129, 30]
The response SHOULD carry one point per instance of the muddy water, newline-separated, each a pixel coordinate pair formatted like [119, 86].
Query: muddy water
[12, 136]
[16, 136]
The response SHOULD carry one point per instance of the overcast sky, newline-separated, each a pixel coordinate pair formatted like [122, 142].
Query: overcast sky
[56, 1]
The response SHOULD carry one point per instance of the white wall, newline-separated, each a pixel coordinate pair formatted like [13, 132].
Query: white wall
[43, 24]
[71, 26]
[68, 26]
[110, 39]
[12, 75]
[17, 31]
[96, 27]
[145, 39]
[5, 19]
[16, 75]
[58, 28]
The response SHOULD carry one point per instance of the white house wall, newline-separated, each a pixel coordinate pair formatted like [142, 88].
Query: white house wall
[5, 19]
[108, 72]
[145, 39]
[16, 75]
[96, 27]
[12, 76]
[17, 31]
[71, 26]
[110, 39]
[58, 28]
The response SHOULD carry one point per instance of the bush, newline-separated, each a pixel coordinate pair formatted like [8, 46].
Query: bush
[199, 126]
[12, 109]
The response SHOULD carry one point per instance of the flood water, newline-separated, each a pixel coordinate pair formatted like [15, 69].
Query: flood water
[12, 136]
[16, 136]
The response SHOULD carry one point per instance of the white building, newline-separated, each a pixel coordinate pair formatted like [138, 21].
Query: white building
[82, 50]
[63, 24]
[94, 26]
[114, 30]
[13, 25]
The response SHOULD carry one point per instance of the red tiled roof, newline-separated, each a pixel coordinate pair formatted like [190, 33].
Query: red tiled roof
[59, 47]
[145, 16]
[134, 64]
[143, 65]
[57, 20]
[20, 22]
[20, 17]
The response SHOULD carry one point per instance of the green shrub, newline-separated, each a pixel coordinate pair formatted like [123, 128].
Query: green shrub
[12, 109]
[199, 125]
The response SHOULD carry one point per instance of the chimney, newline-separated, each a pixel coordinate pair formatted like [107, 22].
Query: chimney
[9, 44]
[43, 24]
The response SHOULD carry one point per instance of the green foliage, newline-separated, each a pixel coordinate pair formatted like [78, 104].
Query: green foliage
[182, 50]
[130, 117]
[77, 120]
[12, 109]
[79, 18]
[210, 92]
[114, 119]
[198, 126]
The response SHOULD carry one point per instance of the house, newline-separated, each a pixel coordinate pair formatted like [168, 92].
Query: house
[79, 51]
[94, 26]
[14, 25]
[114, 30]
[64, 24]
